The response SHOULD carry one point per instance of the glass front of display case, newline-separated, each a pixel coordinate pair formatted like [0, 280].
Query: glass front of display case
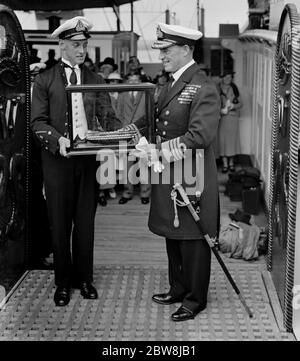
[103, 116]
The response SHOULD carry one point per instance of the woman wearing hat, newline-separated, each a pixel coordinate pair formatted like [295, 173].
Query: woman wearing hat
[106, 67]
[229, 123]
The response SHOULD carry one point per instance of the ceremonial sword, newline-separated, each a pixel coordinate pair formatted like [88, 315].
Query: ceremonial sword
[212, 245]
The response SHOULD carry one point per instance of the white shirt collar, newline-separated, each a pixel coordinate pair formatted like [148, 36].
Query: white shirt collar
[179, 72]
[76, 66]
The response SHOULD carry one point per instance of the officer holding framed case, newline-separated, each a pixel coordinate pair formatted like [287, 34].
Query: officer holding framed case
[70, 182]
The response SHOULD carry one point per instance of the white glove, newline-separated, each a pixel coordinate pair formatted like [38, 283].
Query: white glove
[148, 151]
[158, 167]
[142, 149]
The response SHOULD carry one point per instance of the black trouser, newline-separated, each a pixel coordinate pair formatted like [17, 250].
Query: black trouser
[189, 271]
[70, 187]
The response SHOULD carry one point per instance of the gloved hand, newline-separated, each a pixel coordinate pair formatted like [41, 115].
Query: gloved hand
[149, 153]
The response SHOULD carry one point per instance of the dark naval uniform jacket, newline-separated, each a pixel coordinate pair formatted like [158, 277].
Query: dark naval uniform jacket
[187, 116]
[70, 182]
[49, 118]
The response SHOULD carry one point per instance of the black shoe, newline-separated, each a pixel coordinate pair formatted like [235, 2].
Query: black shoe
[62, 296]
[42, 265]
[102, 201]
[166, 299]
[183, 314]
[124, 200]
[145, 200]
[87, 290]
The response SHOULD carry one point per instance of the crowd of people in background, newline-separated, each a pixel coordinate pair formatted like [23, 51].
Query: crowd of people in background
[129, 105]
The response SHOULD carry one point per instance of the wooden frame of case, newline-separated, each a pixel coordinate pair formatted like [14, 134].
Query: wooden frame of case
[148, 88]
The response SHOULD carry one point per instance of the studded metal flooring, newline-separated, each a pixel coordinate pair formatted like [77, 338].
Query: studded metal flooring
[124, 310]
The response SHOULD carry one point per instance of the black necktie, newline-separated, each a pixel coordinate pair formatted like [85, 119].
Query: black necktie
[171, 79]
[73, 76]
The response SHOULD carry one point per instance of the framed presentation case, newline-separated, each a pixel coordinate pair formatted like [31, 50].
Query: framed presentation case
[109, 109]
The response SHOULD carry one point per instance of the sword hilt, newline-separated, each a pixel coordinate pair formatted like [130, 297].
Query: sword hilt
[186, 200]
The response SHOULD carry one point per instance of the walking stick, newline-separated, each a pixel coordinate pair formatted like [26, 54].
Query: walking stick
[212, 245]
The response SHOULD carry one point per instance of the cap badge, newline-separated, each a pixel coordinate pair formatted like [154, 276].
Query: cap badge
[80, 26]
[159, 33]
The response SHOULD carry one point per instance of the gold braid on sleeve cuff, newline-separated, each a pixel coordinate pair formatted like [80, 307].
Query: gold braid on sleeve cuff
[131, 127]
[173, 150]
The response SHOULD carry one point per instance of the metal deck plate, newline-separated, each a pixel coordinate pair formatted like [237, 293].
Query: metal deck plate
[125, 311]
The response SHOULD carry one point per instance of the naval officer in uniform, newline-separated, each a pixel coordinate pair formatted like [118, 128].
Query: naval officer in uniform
[187, 117]
[70, 183]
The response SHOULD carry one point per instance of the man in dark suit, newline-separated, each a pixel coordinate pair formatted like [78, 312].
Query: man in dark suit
[187, 116]
[70, 182]
[130, 108]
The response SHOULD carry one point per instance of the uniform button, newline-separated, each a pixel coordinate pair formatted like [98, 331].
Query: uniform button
[157, 120]
[165, 122]
[49, 133]
[67, 113]
[167, 112]
[66, 124]
[47, 141]
[157, 109]
[164, 133]
[46, 148]
[156, 130]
